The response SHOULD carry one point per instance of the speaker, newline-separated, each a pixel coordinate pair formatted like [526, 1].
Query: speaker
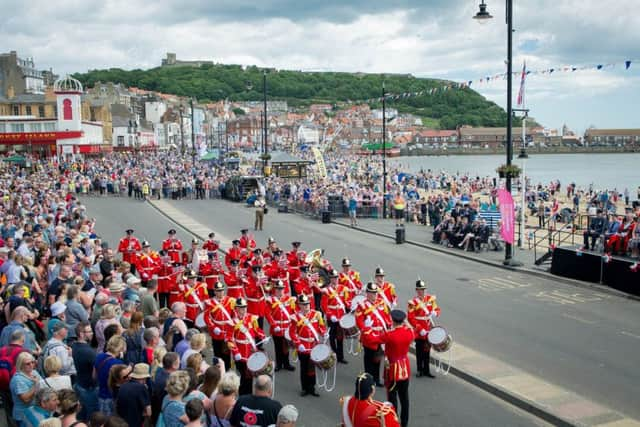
[400, 235]
[326, 217]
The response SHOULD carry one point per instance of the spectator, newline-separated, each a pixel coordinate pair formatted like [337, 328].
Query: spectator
[211, 379]
[197, 343]
[151, 338]
[56, 346]
[135, 344]
[107, 317]
[194, 394]
[69, 409]
[115, 421]
[287, 416]
[84, 358]
[75, 313]
[149, 305]
[10, 353]
[116, 347]
[51, 422]
[259, 404]
[46, 404]
[194, 411]
[170, 364]
[24, 385]
[19, 316]
[134, 403]
[53, 380]
[172, 404]
[225, 400]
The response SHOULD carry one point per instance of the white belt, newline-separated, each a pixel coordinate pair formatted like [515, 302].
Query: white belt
[243, 342]
[422, 318]
[192, 305]
[255, 299]
[306, 339]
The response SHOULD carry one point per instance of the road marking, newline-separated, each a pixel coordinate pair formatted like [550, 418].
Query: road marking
[497, 284]
[579, 319]
[565, 298]
[629, 334]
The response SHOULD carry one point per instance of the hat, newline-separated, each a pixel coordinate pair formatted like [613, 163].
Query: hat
[346, 262]
[133, 280]
[271, 240]
[235, 242]
[57, 308]
[256, 267]
[146, 244]
[333, 273]
[304, 268]
[420, 284]
[191, 274]
[295, 244]
[279, 284]
[244, 231]
[277, 252]
[398, 316]
[379, 271]
[372, 287]
[129, 231]
[140, 371]
[195, 241]
[212, 235]
[58, 326]
[116, 287]
[219, 286]
[234, 261]
[365, 384]
[257, 251]
[241, 302]
[172, 231]
[303, 299]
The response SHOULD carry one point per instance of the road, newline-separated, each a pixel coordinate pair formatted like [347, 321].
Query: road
[445, 401]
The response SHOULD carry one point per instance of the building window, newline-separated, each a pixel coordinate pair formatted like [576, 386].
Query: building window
[28, 110]
[17, 127]
[120, 141]
[41, 111]
[36, 127]
[16, 110]
[49, 126]
[67, 112]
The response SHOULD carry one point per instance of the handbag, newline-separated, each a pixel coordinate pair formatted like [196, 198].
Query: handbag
[266, 210]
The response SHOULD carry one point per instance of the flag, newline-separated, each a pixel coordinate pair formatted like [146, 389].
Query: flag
[521, 91]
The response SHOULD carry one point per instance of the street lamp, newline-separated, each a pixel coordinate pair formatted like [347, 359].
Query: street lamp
[384, 153]
[523, 177]
[193, 135]
[181, 130]
[482, 16]
[264, 124]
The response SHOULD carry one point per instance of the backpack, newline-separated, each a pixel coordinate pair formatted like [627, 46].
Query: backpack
[46, 352]
[8, 356]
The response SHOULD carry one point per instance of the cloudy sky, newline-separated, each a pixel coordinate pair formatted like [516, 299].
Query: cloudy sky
[427, 38]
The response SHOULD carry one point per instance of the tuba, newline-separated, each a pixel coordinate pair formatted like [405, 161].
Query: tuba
[317, 266]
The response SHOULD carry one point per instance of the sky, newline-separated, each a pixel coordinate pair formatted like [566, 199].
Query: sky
[426, 38]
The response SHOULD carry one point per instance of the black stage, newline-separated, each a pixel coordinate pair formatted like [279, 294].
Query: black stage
[591, 267]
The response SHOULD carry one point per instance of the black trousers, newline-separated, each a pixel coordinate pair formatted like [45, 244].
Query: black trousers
[336, 339]
[400, 389]
[282, 351]
[221, 351]
[372, 359]
[307, 373]
[163, 299]
[423, 349]
[246, 379]
[594, 236]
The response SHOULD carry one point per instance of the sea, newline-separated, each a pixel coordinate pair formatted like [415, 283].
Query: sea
[604, 171]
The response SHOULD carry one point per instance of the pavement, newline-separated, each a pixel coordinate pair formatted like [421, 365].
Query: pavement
[555, 350]
[445, 401]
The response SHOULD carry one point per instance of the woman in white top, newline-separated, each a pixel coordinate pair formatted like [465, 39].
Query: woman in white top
[224, 400]
[55, 381]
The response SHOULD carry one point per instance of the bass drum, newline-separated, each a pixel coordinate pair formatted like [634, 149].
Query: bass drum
[259, 364]
[200, 323]
[348, 325]
[439, 339]
[323, 357]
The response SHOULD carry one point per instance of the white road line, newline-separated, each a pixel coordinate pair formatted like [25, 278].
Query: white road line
[579, 319]
[629, 334]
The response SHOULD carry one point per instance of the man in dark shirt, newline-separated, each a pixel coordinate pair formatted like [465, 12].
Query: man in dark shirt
[257, 409]
[170, 363]
[596, 229]
[84, 357]
[133, 403]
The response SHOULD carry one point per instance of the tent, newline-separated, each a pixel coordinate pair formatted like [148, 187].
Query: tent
[377, 146]
[211, 156]
[17, 159]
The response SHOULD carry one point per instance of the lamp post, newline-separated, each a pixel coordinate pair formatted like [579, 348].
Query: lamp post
[482, 16]
[193, 135]
[265, 141]
[523, 177]
[181, 131]
[384, 153]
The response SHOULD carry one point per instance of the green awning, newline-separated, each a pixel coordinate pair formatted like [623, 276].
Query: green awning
[211, 155]
[15, 159]
[375, 146]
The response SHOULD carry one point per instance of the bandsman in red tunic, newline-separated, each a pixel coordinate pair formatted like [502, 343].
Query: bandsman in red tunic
[349, 277]
[166, 277]
[335, 303]
[246, 240]
[303, 285]
[373, 320]
[195, 294]
[360, 410]
[243, 340]
[280, 308]
[211, 245]
[278, 269]
[147, 263]
[218, 318]
[233, 253]
[397, 367]
[176, 289]
[293, 256]
[129, 247]
[256, 292]
[387, 290]
[235, 280]
[307, 330]
[272, 245]
[422, 309]
[210, 270]
[172, 246]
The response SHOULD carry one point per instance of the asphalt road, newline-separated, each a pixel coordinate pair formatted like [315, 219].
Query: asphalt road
[573, 337]
[445, 401]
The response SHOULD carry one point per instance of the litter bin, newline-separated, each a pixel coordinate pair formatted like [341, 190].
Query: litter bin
[326, 217]
[283, 208]
[400, 236]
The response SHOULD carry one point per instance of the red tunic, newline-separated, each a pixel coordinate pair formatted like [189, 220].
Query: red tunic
[172, 247]
[368, 413]
[209, 273]
[335, 302]
[194, 299]
[307, 330]
[303, 286]
[350, 279]
[388, 294]
[247, 242]
[279, 312]
[418, 310]
[255, 296]
[129, 247]
[166, 276]
[219, 316]
[233, 253]
[243, 336]
[235, 284]
[147, 265]
[396, 350]
[373, 320]
[210, 245]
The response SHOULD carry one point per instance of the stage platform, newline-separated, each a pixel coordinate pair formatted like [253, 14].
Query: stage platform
[592, 267]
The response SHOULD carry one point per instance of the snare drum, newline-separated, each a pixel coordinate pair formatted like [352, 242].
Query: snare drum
[259, 364]
[439, 339]
[200, 323]
[323, 357]
[356, 301]
[348, 325]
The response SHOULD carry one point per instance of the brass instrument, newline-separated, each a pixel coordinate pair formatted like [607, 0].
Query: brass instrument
[314, 259]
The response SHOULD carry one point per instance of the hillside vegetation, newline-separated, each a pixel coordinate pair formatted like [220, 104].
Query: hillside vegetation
[444, 109]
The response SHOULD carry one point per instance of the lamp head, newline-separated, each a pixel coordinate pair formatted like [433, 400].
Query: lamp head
[483, 15]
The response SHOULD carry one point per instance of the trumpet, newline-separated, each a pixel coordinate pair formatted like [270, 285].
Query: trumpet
[319, 273]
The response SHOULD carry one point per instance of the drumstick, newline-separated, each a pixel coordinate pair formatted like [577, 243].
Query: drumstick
[264, 341]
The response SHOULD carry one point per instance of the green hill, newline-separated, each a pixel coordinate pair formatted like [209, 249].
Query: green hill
[444, 109]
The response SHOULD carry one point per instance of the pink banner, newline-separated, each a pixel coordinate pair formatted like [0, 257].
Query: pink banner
[507, 215]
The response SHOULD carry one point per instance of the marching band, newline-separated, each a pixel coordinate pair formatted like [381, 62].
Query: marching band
[311, 310]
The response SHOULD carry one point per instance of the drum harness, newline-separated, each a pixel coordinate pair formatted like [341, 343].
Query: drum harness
[439, 364]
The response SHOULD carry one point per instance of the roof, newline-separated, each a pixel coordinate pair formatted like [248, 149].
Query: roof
[471, 131]
[28, 98]
[284, 157]
[430, 133]
[612, 132]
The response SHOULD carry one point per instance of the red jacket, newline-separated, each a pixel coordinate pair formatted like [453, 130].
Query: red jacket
[368, 413]
[235, 284]
[233, 253]
[418, 310]
[210, 246]
[129, 247]
[303, 286]
[209, 273]
[279, 313]
[194, 299]
[255, 296]
[247, 243]
[219, 316]
[388, 294]
[307, 330]
[335, 301]
[173, 247]
[373, 320]
[243, 336]
[147, 265]
[166, 276]
[396, 349]
[351, 280]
